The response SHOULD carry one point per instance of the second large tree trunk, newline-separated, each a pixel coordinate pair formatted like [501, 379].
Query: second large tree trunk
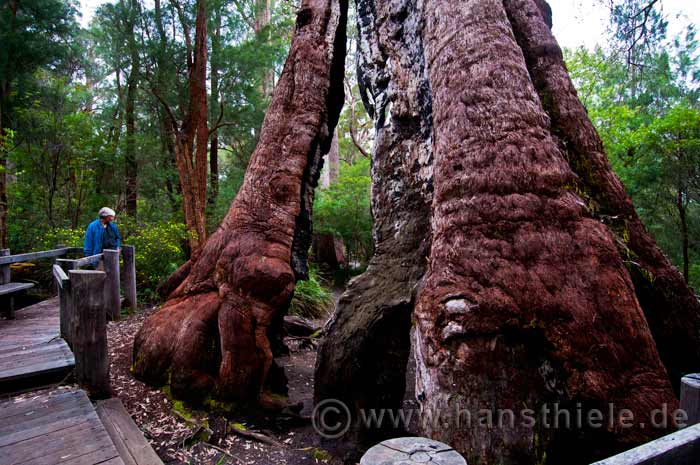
[214, 335]
[671, 309]
[527, 302]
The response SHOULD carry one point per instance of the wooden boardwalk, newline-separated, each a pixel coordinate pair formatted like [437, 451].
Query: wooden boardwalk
[31, 349]
[52, 429]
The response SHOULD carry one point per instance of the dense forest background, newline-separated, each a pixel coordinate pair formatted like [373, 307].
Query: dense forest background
[86, 120]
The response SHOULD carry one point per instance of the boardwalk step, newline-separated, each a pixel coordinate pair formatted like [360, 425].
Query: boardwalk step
[31, 352]
[133, 448]
[52, 429]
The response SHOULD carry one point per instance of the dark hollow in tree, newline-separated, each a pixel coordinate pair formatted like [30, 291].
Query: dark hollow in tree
[362, 358]
[215, 334]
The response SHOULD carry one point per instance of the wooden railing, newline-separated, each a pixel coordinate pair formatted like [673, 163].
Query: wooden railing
[108, 261]
[87, 298]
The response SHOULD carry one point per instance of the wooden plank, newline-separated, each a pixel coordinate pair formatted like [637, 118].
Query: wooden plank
[26, 257]
[91, 260]
[31, 351]
[133, 448]
[59, 275]
[100, 456]
[36, 370]
[11, 351]
[680, 448]
[54, 429]
[40, 425]
[11, 288]
[25, 405]
[29, 357]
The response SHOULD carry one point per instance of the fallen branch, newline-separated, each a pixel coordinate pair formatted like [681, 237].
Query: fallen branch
[260, 437]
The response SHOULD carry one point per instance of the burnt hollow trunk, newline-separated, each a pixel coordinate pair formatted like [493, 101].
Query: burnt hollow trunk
[214, 335]
[671, 308]
[374, 314]
[527, 302]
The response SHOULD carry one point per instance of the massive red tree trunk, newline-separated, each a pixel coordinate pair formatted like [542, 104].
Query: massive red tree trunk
[215, 334]
[526, 301]
[671, 308]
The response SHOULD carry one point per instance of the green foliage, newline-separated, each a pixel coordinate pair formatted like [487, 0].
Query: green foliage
[159, 248]
[311, 298]
[65, 236]
[648, 116]
[344, 209]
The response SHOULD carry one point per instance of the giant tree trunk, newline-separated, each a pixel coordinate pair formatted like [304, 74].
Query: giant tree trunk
[362, 359]
[526, 301]
[671, 309]
[214, 335]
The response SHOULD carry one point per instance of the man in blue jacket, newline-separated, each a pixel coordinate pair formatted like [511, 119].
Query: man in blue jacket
[101, 234]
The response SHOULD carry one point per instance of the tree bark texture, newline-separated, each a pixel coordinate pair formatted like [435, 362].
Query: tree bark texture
[527, 301]
[671, 308]
[214, 335]
[362, 359]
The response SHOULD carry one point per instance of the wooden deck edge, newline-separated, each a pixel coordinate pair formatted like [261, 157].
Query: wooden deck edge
[679, 448]
[34, 381]
[133, 447]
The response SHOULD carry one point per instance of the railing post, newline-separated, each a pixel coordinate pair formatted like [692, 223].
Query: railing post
[66, 313]
[4, 269]
[5, 277]
[129, 255]
[690, 397]
[111, 287]
[90, 332]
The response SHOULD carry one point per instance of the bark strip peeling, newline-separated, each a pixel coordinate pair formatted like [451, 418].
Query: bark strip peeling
[212, 336]
[671, 309]
[527, 301]
[362, 359]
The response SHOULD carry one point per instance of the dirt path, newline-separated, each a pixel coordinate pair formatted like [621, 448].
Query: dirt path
[179, 440]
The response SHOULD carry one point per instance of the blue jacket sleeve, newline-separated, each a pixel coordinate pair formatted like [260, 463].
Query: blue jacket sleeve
[89, 241]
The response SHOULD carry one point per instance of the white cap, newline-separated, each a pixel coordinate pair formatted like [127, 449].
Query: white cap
[106, 211]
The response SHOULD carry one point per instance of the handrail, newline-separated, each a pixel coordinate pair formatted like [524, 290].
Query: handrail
[23, 257]
[60, 276]
[91, 260]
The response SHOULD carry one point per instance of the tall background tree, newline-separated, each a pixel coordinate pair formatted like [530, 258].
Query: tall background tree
[34, 34]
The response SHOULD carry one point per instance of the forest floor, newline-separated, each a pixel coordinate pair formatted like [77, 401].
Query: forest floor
[178, 434]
